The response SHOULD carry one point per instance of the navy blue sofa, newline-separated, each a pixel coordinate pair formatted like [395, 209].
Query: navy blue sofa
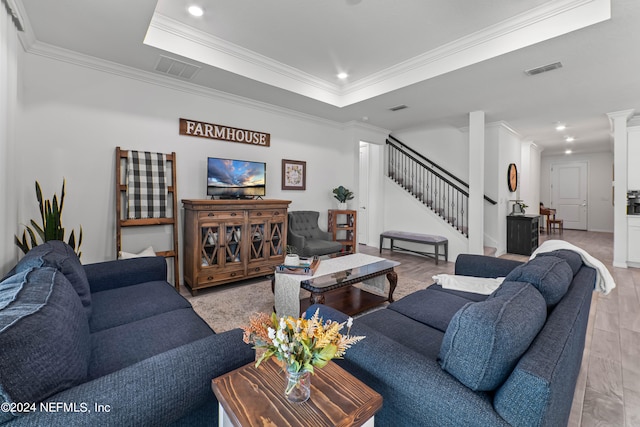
[449, 358]
[109, 343]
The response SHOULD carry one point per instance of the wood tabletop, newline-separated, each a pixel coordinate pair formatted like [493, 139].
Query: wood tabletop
[255, 397]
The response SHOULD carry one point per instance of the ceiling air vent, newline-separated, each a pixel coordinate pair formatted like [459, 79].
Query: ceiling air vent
[398, 107]
[176, 68]
[543, 69]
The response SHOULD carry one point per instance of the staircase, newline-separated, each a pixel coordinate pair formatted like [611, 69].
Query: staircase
[445, 194]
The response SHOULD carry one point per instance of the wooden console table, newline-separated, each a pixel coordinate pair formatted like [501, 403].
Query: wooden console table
[251, 396]
[230, 240]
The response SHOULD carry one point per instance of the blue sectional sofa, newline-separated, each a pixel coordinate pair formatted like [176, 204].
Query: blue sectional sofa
[110, 343]
[449, 358]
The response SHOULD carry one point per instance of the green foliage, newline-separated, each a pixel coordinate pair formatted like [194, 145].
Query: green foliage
[342, 194]
[51, 227]
[291, 250]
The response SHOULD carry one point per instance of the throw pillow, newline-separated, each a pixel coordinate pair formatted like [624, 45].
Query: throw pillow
[549, 274]
[57, 254]
[146, 252]
[44, 337]
[485, 340]
[573, 258]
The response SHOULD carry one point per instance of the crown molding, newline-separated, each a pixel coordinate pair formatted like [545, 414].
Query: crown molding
[173, 36]
[104, 66]
[541, 23]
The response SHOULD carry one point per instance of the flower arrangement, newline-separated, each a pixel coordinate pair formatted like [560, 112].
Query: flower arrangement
[300, 344]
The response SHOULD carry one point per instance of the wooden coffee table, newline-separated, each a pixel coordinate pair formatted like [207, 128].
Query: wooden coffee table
[251, 396]
[332, 284]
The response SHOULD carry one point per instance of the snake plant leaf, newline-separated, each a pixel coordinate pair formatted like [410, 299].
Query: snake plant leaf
[72, 240]
[64, 181]
[22, 244]
[38, 229]
[34, 241]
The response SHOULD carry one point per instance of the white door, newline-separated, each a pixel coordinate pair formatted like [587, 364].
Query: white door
[569, 194]
[363, 196]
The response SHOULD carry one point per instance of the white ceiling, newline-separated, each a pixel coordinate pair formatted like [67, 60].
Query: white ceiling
[443, 59]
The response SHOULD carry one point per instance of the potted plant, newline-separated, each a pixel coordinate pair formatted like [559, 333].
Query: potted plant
[51, 227]
[292, 258]
[342, 194]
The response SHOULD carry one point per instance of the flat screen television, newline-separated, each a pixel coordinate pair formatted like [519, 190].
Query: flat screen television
[232, 179]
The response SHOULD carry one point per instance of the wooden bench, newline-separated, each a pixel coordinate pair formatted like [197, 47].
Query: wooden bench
[426, 239]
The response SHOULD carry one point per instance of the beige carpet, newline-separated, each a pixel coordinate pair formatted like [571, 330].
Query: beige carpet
[230, 306]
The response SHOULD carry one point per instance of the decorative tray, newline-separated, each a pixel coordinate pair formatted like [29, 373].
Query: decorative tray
[305, 268]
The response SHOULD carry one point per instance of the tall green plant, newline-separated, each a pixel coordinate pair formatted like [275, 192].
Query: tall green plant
[51, 227]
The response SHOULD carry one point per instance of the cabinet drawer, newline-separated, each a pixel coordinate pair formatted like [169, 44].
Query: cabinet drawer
[219, 276]
[267, 213]
[221, 215]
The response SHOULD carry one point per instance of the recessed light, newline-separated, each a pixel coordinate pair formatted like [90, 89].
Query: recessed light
[195, 10]
[567, 152]
[569, 139]
[561, 127]
[343, 76]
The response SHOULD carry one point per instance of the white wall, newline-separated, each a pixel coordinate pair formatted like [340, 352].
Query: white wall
[9, 58]
[446, 146]
[599, 190]
[73, 117]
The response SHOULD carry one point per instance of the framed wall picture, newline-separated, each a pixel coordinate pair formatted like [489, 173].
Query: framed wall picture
[294, 175]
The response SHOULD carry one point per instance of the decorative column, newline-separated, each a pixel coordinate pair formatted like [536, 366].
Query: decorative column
[476, 182]
[618, 122]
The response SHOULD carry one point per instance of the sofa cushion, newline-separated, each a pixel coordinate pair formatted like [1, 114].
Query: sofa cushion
[573, 258]
[550, 275]
[421, 338]
[119, 306]
[466, 295]
[116, 348]
[431, 307]
[44, 336]
[485, 339]
[59, 255]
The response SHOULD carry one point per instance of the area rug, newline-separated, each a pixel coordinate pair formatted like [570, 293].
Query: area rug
[230, 306]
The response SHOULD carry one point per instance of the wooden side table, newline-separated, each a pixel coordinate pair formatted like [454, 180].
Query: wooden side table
[251, 396]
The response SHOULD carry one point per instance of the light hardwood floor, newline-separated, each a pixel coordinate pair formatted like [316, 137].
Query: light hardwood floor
[608, 388]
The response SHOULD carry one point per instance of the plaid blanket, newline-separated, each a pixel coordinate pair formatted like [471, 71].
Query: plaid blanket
[146, 185]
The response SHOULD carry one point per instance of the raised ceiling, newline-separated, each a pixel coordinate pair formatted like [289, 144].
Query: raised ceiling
[443, 59]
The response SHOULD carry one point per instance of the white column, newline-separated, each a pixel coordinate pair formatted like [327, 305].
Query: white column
[618, 121]
[476, 182]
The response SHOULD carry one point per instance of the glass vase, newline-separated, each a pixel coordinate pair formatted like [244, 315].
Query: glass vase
[297, 386]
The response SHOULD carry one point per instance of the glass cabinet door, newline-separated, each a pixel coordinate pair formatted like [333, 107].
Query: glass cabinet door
[210, 245]
[276, 241]
[233, 243]
[258, 240]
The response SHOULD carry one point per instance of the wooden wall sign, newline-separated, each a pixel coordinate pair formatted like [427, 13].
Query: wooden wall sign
[224, 133]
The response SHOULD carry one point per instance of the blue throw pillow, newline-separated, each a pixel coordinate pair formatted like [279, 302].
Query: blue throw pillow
[573, 258]
[44, 337]
[485, 340]
[59, 255]
[550, 275]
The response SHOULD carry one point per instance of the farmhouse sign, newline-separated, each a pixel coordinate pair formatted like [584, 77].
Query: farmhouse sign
[225, 133]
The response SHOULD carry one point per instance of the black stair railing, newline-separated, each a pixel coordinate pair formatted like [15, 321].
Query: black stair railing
[435, 187]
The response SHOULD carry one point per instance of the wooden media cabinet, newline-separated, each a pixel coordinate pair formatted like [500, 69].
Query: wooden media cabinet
[230, 240]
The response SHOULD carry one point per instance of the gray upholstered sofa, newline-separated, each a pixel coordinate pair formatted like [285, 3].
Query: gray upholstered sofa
[449, 358]
[309, 240]
[106, 344]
